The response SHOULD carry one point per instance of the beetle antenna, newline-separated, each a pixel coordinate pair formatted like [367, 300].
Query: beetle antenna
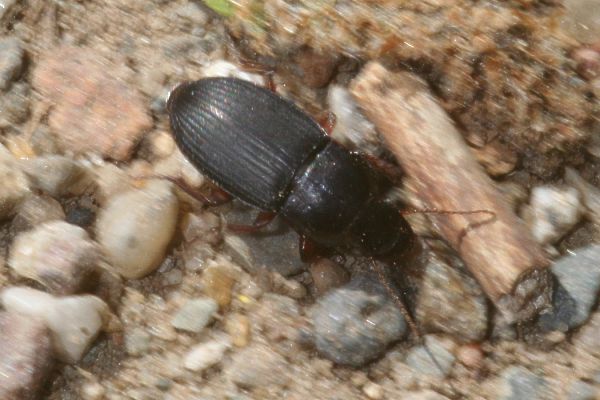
[393, 293]
[470, 226]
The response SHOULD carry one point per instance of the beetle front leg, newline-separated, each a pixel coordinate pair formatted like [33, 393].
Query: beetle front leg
[262, 219]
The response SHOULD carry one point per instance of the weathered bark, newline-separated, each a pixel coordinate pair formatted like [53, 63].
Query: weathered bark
[501, 254]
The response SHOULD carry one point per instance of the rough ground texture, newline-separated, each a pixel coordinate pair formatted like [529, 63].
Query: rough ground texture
[212, 315]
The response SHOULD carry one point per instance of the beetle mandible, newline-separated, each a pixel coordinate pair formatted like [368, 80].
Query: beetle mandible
[262, 149]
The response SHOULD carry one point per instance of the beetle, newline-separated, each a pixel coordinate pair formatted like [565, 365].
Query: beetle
[262, 149]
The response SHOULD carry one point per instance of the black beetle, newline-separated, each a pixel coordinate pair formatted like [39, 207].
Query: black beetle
[262, 149]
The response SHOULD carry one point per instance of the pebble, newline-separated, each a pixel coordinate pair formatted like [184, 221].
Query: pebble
[5, 6]
[588, 338]
[55, 175]
[218, 279]
[470, 355]
[286, 287]
[205, 355]
[419, 358]
[14, 106]
[424, 395]
[353, 327]
[580, 390]
[352, 128]
[373, 391]
[238, 328]
[195, 315]
[327, 275]
[92, 110]
[452, 302]
[12, 58]
[74, 321]
[25, 356]
[192, 12]
[258, 366]
[205, 226]
[56, 254]
[552, 212]
[80, 216]
[582, 19]
[15, 185]
[137, 342]
[36, 210]
[590, 194]
[518, 383]
[496, 158]
[135, 227]
[578, 277]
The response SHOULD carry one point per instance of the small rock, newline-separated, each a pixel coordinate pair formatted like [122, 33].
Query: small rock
[11, 59]
[5, 6]
[205, 226]
[497, 159]
[255, 366]
[137, 342]
[590, 194]
[315, 69]
[225, 69]
[503, 329]
[552, 212]
[518, 383]
[92, 110]
[582, 19]
[373, 391]
[36, 210]
[195, 315]
[43, 142]
[193, 13]
[218, 280]
[452, 302]
[327, 275]
[353, 327]
[287, 287]
[205, 355]
[25, 356]
[578, 276]
[57, 254]
[238, 327]
[135, 227]
[14, 106]
[81, 216]
[74, 321]
[588, 338]
[352, 128]
[470, 355]
[580, 390]
[93, 391]
[424, 395]
[420, 359]
[15, 185]
[57, 176]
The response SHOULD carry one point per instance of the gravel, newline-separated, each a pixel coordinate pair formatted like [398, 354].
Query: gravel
[11, 59]
[195, 315]
[518, 383]
[432, 358]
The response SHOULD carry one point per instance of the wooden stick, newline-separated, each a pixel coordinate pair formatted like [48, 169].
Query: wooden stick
[502, 255]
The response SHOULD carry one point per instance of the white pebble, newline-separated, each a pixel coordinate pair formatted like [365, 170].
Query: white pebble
[222, 68]
[56, 254]
[205, 355]
[56, 175]
[135, 228]
[553, 212]
[74, 321]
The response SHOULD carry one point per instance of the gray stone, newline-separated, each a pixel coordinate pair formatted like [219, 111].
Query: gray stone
[258, 366]
[580, 390]
[137, 341]
[11, 59]
[195, 315]
[25, 356]
[518, 383]
[588, 338]
[56, 254]
[578, 276]
[353, 327]
[432, 360]
[459, 309]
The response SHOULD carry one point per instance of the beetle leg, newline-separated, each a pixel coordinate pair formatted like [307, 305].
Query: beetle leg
[214, 198]
[262, 219]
